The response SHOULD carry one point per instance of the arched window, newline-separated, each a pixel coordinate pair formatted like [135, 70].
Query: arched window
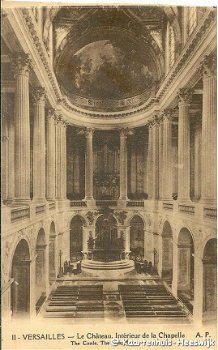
[192, 19]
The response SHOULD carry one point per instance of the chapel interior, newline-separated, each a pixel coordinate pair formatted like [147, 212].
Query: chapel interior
[109, 163]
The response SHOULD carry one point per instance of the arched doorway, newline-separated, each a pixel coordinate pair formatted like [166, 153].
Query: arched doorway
[20, 288]
[107, 244]
[52, 254]
[210, 276]
[167, 252]
[186, 268]
[40, 276]
[137, 237]
[76, 238]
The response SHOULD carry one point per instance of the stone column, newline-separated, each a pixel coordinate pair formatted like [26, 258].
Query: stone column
[51, 258]
[5, 158]
[167, 155]
[155, 158]
[198, 289]
[208, 189]
[58, 156]
[39, 145]
[11, 159]
[85, 234]
[146, 168]
[133, 161]
[161, 160]
[22, 65]
[123, 164]
[89, 165]
[184, 145]
[149, 160]
[197, 160]
[63, 160]
[126, 232]
[50, 141]
[175, 270]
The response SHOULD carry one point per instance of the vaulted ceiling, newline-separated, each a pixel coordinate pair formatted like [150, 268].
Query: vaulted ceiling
[109, 52]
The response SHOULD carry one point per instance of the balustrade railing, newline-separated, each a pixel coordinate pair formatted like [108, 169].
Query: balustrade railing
[210, 212]
[20, 213]
[78, 204]
[40, 209]
[189, 209]
[52, 205]
[100, 203]
[135, 204]
[167, 206]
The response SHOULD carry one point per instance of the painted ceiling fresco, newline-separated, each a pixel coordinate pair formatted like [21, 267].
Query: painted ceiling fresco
[107, 69]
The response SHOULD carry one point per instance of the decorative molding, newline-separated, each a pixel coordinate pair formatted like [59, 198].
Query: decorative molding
[38, 95]
[21, 64]
[185, 95]
[195, 39]
[208, 65]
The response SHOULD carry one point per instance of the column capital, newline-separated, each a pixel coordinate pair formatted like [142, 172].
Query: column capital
[155, 121]
[185, 95]
[124, 132]
[21, 64]
[58, 118]
[51, 114]
[38, 94]
[86, 131]
[208, 65]
[168, 114]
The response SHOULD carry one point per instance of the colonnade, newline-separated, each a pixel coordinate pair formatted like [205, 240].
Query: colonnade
[49, 146]
[49, 143]
[160, 152]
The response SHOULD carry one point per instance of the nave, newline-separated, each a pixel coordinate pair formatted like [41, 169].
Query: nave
[144, 299]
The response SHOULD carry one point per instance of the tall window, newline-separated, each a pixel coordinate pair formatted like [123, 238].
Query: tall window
[192, 19]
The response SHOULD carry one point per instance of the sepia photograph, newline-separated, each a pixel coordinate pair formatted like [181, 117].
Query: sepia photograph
[109, 174]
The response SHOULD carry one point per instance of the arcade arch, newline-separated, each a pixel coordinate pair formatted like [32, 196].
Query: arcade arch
[76, 237]
[185, 285]
[52, 253]
[210, 276]
[137, 236]
[40, 268]
[20, 273]
[167, 252]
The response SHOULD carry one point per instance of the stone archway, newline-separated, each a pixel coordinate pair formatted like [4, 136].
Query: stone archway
[40, 269]
[210, 276]
[167, 252]
[108, 245]
[20, 272]
[185, 285]
[137, 236]
[76, 237]
[52, 253]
